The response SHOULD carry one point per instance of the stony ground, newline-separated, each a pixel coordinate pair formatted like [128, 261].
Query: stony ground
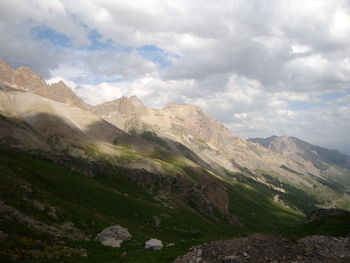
[272, 249]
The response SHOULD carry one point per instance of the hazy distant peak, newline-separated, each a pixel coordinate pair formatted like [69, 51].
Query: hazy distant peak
[295, 148]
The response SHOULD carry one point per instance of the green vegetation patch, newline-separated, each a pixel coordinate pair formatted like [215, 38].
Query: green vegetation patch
[331, 226]
[92, 204]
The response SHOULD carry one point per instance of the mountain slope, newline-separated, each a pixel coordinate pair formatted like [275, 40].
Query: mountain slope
[59, 131]
[176, 139]
[334, 166]
[23, 78]
[328, 161]
[190, 126]
[178, 125]
[176, 165]
[291, 146]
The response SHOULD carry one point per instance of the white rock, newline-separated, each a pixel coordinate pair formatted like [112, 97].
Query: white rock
[154, 244]
[113, 236]
[112, 242]
[170, 245]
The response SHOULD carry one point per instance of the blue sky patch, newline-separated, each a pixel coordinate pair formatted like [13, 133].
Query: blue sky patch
[332, 96]
[155, 54]
[46, 33]
[97, 44]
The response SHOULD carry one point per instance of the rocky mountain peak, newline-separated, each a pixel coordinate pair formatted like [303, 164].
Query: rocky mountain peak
[124, 105]
[284, 144]
[182, 109]
[25, 79]
[22, 78]
[135, 99]
[62, 93]
[61, 83]
[132, 105]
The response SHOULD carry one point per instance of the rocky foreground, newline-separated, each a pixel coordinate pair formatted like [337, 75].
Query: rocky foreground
[272, 249]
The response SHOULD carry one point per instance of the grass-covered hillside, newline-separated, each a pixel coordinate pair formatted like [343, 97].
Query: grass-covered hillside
[45, 206]
[338, 225]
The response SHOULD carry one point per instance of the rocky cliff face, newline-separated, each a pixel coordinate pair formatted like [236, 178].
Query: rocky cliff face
[23, 78]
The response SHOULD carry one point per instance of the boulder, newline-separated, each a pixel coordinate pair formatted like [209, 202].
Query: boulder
[154, 244]
[113, 236]
[111, 242]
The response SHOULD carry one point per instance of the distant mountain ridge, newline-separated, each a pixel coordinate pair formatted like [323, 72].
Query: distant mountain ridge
[183, 123]
[293, 147]
[178, 140]
[174, 173]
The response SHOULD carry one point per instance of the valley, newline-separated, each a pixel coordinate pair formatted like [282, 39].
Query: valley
[69, 170]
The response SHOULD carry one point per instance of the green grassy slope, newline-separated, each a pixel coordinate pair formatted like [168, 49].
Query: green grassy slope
[332, 226]
[95, 203]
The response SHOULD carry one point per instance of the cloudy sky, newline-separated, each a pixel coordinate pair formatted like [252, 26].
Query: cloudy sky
[262, 67]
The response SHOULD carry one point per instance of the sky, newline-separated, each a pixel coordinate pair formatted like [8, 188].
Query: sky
[262, 67]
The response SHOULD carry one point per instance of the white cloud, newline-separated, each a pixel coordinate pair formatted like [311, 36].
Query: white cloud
[245, 62]
[152, 90]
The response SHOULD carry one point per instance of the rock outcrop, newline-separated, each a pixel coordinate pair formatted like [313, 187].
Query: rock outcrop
[154, 244]
[113, 236]
[204, 197]
[270, 248]
[66, 229]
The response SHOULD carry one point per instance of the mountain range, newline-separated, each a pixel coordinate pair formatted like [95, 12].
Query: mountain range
[147, 169]
[295, 148]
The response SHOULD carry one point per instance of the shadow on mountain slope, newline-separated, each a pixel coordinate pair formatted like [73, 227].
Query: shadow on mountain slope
[194, 185]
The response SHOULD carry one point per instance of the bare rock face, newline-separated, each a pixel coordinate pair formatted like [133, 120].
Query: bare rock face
[62, 93]
[113, 236]
[131, 106]
[216, 194]
[154, 244]
[23, 78]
